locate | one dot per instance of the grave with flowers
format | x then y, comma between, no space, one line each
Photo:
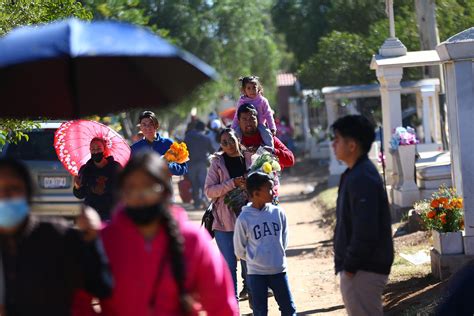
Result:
442,214
403,150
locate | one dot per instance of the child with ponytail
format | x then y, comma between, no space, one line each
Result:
252,92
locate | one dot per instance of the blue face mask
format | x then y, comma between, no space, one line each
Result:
13,212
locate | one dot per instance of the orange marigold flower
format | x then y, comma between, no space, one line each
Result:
435,203
443,202
442,217
431,214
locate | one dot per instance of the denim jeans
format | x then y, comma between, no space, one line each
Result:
197,175
259,284
225,243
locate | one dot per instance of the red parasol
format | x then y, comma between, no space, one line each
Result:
228,113
72,140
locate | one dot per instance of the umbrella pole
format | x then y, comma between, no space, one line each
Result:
73,87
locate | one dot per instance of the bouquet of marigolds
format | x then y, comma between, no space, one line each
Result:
443,212
265,162
178,153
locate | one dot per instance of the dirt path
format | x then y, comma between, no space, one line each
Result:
310,261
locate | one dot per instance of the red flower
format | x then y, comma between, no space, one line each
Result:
442,217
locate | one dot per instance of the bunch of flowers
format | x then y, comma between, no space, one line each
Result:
443,212
236,199
265,162
403,136
178,153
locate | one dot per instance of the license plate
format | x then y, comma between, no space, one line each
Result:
54,182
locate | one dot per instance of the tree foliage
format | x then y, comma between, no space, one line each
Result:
322,61
15,13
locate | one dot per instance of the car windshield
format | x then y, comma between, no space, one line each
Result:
39,146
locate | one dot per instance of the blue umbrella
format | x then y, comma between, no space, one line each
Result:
72,68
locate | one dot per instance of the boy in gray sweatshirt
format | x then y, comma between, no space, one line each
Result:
260,238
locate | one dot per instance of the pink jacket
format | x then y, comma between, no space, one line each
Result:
134,263
218,183
265,112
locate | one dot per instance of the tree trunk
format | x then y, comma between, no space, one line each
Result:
428,31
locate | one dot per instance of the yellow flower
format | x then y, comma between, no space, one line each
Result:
267,167
177,153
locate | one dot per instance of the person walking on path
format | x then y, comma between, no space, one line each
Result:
363,245
251,138
152,141
261,238
199,147
45,262
227,172
252,93
97,179
162,264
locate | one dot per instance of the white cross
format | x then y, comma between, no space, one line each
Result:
391,19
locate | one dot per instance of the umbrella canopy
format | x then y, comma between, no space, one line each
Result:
228,113
73,68
72,143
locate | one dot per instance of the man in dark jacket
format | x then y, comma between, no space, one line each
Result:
199,147
363,244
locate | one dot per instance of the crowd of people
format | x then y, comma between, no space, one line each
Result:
134,252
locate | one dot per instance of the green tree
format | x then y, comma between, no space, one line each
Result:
15,13
342,59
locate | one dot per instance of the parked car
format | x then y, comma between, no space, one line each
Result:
53,183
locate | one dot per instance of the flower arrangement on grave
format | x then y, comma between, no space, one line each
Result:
443,212
178,152
403,136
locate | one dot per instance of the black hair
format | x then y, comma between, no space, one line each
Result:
150,115
21,171
358,128
153,165
251,79
246,108
227,130
200,126
231,132
255,181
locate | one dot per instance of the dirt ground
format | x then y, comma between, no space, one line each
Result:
310,257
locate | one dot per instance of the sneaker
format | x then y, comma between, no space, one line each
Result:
270,292
243,295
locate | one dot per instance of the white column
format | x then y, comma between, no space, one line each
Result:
335,166
331,109
427,93
390,92
458,55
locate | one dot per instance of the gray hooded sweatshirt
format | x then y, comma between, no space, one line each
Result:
260,238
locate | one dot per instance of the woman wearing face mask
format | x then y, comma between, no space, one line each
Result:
44,262
161,263
97,179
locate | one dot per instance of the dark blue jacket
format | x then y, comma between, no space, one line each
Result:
160,145
200,147
363,234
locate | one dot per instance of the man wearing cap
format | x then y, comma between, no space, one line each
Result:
153,141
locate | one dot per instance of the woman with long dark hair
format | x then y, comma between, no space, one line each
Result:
226,173
161,263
